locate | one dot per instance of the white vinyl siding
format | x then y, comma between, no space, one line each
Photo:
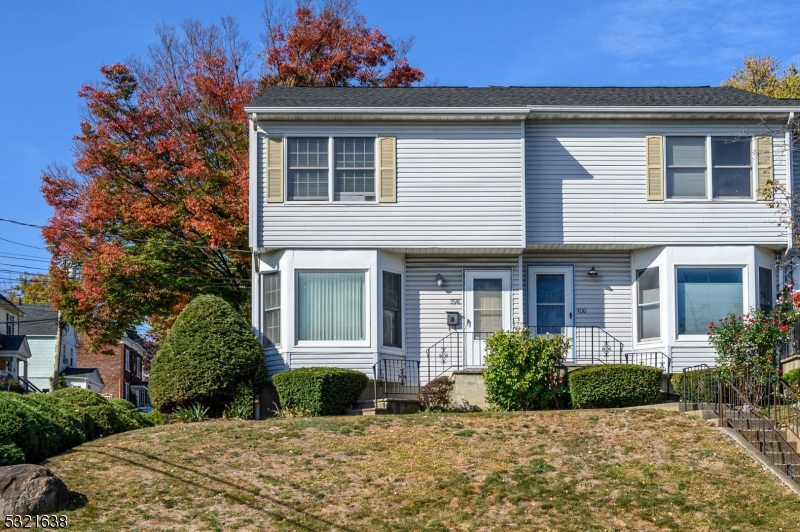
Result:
458,186
587,184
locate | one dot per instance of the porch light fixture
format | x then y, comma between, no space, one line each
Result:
439,279
592,272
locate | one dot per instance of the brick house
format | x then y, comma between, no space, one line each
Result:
120,367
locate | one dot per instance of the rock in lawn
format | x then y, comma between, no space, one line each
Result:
28,489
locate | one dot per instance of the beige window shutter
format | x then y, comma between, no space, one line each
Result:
764,168
387,169
655,168
274,170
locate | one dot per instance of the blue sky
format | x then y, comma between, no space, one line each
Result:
50,48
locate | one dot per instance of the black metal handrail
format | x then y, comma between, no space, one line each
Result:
741,414
653,359
784,408
445,356
700,384
29,386
395,377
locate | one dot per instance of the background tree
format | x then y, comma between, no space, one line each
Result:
32,289
154,210
762,75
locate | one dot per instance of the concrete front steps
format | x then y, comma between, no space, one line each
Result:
392,405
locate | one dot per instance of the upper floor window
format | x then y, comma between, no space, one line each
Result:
688,171
127,360
9,324
309,174
307,177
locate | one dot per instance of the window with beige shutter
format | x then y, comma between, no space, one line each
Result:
654,168
274,169
764,168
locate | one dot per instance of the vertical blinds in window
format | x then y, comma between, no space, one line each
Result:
331,306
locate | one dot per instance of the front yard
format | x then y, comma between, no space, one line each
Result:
635,470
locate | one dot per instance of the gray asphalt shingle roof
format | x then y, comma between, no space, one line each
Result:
11,343
512,97
38,320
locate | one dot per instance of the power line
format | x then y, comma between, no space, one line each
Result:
21,244
109,235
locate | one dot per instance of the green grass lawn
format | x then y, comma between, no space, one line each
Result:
635,470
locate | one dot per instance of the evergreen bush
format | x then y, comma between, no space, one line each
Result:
98,416
523,370
614,385
32,429
128,417
209,352
437,394
319,391
792,378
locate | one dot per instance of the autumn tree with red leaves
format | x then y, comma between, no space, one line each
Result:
154,210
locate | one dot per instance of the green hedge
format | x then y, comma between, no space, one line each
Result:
614,385
319,391
701,385
32,429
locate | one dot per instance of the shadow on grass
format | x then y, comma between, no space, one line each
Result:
77,500
248,495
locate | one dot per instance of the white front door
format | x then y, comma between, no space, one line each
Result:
550,300
487,308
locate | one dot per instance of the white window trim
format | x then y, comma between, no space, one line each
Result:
709,197
331,170
334,343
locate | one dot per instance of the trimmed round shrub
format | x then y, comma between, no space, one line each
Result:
319,391
792,378
98,416
522,370
128,417
32,429
437,394
242,404
699,386
614,385
207,354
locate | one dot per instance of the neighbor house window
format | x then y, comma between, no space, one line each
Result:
765,289
139,367
649,304
127,362
272,308
687,168
307,176
707,294
354,172
331,306
9,324
391,309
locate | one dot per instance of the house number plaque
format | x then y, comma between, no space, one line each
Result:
455,301
580,310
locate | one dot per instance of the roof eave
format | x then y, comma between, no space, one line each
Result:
389,113
661,111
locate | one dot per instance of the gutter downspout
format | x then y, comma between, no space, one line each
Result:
789,180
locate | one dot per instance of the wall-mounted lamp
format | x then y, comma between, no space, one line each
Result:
439,279
592,272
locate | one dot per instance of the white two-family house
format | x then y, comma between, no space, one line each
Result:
411,223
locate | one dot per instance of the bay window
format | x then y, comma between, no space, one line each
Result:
707,294
331,306
765,289
649,304
391,309
272,308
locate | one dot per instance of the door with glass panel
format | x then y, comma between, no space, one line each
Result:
487,308
550,298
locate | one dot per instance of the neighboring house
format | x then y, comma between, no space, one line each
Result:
411,223
119,367
15,351
87,378
39,324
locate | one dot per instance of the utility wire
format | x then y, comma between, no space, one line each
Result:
21,244
109,235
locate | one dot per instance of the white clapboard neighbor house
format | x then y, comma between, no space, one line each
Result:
396,227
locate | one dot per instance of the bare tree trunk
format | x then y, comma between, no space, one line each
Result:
56,372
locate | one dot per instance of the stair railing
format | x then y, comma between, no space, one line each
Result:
393,377
445,356
785,408
29,386
738,411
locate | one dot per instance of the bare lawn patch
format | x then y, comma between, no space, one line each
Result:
637,470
